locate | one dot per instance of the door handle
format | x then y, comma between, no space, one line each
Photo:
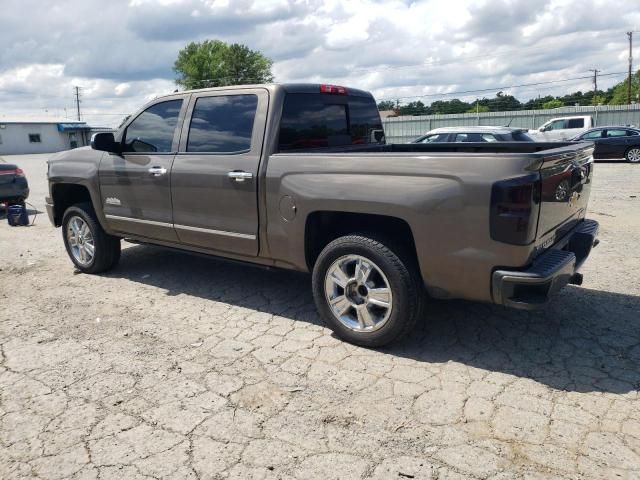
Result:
157,171
240,176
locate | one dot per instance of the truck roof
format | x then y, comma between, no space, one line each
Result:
287,87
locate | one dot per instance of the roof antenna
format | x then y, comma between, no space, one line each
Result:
509,122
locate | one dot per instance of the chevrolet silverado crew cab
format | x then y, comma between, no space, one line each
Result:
299,177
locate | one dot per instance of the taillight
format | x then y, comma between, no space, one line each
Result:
515,204
18,172
335,89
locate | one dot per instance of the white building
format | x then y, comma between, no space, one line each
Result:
43,135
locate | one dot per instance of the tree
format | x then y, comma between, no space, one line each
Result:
213,63
555,103
386,105
414,108
620,91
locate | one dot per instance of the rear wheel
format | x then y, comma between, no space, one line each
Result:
367,293
633,155
90,248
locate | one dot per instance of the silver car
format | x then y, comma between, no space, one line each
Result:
475,134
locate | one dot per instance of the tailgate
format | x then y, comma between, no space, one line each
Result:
566,178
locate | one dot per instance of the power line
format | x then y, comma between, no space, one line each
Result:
500,88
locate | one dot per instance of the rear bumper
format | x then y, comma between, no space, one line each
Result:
18,189
532,288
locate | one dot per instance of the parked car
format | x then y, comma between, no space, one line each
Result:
562,128
613,143
292,176
475,134
14,187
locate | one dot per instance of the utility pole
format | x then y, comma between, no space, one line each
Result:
77,90
595,80
630,35
595,84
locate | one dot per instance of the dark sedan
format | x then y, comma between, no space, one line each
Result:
13,184
613,143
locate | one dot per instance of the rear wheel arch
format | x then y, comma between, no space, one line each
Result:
324,226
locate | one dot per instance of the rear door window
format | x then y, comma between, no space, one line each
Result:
472,137
312,121
222,124
487,137
616,133
153,130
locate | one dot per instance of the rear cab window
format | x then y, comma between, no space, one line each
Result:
316,120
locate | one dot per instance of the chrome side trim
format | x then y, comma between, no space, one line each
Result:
216,232
183,227
138,220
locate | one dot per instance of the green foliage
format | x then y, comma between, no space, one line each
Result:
214,63
477,108
386,105
616,95
554,103
620,91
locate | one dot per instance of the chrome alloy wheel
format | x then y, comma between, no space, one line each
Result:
358,293
633,155
80,240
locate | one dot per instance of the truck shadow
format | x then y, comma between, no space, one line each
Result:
585,341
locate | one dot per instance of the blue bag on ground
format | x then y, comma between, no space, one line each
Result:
17,215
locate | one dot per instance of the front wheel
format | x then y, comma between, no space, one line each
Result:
90,248
633,155
367,293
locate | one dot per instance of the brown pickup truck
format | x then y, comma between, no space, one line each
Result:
299,177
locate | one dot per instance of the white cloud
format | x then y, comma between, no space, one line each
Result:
121,52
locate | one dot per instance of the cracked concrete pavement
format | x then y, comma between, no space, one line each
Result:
178,366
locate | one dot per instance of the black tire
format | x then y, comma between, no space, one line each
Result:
400,268
107,247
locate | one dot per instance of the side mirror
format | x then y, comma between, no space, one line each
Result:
105,142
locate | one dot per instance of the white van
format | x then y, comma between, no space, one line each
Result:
562,128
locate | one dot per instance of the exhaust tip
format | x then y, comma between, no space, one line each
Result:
576,279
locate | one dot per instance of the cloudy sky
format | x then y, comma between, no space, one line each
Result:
121,51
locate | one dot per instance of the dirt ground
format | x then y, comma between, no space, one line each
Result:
178,366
